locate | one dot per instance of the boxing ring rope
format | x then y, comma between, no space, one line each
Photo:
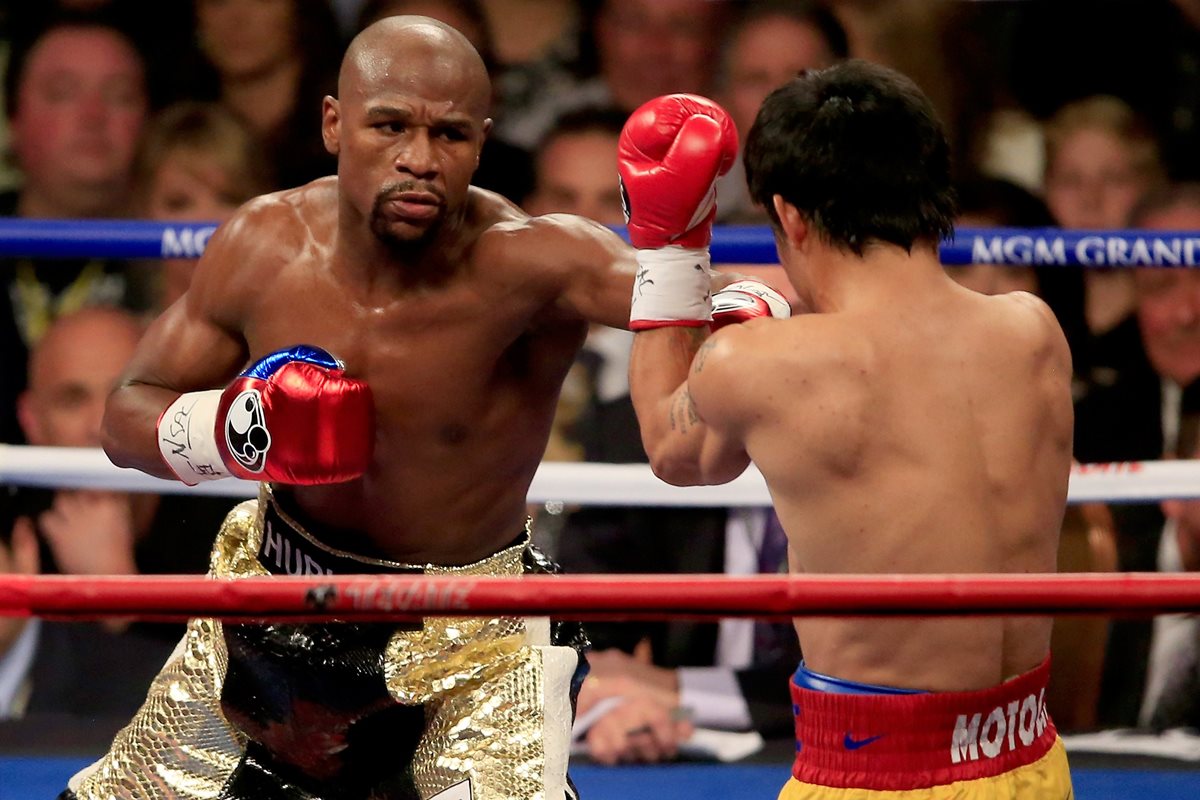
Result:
80,238
583,483
624,597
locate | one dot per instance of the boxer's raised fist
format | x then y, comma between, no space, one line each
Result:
670,154
292,417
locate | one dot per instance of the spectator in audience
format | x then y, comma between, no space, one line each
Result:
1101,158
1168,309
769,44
528,31
532,30
503,167
96,532
731,676
76,104
1161,407
642,49
1172,696
197,163
575,167
78,669
271,62
1169,318
647,48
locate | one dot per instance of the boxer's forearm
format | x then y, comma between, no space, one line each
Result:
130,433
672,434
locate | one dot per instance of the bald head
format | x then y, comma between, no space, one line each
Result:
409,50
409,121
72,369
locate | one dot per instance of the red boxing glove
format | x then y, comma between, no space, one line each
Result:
292,417
746,300
669,156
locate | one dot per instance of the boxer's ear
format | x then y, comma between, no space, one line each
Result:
791,221
331,122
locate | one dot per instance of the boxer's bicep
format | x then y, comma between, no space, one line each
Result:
184,351
197,343
192,345
177,355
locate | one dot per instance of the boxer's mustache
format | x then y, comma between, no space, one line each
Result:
396,189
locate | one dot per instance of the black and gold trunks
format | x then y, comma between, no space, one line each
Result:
449,708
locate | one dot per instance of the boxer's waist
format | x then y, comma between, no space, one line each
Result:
292,546
900,740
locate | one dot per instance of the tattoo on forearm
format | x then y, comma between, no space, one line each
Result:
702,356
683,416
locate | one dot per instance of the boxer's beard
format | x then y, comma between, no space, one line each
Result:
381,226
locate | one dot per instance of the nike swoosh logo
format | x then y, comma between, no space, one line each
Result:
850,743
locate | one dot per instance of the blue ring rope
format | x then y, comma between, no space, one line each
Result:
62,238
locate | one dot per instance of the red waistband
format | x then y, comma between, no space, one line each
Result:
901,742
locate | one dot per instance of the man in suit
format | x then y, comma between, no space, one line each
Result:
1168,315
732,675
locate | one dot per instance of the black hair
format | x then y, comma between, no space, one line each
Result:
587,119
858,149
29,35
1004,202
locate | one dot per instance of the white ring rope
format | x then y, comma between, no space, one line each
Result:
585,484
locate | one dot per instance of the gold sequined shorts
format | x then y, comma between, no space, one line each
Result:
452,709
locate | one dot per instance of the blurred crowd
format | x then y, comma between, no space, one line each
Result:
1069,114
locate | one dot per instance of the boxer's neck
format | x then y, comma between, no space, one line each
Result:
840,280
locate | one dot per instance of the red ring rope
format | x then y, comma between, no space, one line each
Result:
597,596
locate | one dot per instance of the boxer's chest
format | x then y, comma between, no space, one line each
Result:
429,354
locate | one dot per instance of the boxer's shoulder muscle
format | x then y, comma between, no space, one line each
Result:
265,235
1035,330
736,371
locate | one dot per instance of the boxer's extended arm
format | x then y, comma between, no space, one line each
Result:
594,270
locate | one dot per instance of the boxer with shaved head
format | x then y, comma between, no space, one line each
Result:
383,351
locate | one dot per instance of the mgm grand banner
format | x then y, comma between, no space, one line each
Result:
1055,247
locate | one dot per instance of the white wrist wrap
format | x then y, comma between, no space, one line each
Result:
187,437
673,287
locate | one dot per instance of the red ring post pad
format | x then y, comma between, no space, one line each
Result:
377,598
